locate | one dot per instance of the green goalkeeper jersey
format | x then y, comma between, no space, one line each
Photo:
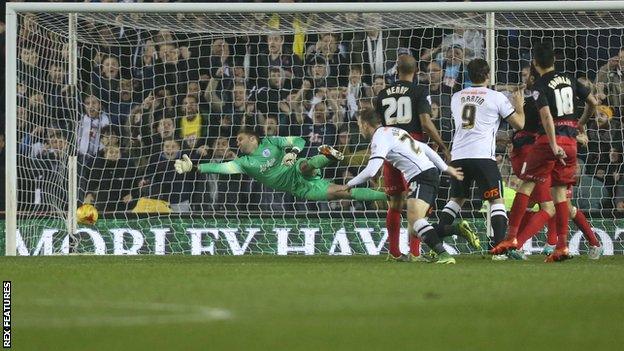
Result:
264,164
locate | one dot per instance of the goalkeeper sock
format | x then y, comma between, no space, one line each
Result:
429,235
393,224
318,161
366,194
581,222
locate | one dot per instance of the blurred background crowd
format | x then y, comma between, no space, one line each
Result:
145,97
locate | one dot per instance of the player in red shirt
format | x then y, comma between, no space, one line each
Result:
522,143
404,105
553,156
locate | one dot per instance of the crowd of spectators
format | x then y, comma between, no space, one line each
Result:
145,97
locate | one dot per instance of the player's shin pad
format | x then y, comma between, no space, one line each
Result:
366,194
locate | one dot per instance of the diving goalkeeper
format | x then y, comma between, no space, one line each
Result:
273,162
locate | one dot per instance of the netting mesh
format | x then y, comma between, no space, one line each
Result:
152,87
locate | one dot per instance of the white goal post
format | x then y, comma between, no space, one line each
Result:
13,10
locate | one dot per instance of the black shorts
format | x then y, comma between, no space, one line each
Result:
481,170
425,185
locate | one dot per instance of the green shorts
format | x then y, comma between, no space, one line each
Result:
310,188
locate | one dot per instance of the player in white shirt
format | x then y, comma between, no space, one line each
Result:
477,112
419,165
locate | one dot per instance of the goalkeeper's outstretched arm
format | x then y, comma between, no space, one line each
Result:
185,165
231,167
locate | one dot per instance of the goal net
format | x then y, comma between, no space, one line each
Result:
110,100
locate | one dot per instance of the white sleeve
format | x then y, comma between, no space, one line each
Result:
505,108
373,166
379,145
434,157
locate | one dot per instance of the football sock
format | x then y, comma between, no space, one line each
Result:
552,231
366,194
498,217
393,224
428,234
563,216
318,161
581,221
528,215
414,244
446,218
538,221
517,212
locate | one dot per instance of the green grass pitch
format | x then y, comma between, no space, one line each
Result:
314,303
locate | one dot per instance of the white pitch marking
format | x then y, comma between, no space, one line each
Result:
174,313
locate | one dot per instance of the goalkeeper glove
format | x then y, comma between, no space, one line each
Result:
184,165
290,157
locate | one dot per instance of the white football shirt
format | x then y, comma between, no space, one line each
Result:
396,146
477,113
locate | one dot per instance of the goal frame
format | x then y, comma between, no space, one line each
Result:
13,9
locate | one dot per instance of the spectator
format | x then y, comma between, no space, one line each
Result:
619,196
109,188
272,54
602,131
120,109
589,192
57,91
162,182
318,73
169,70
610,82
375,49
105,82
333,54
470,41
191,122
453,66
318,129
164,104
336,98
270,127
379,83
223,191
612,174
273,99
90,126
28,64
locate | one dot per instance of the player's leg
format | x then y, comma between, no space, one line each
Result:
537,222
537,169
326,156
418,204
460,191
541,194
490,184
595,250
562,215
395,187
563,174
551,236
335,192
393,223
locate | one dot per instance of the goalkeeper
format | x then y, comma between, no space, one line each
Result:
273,162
